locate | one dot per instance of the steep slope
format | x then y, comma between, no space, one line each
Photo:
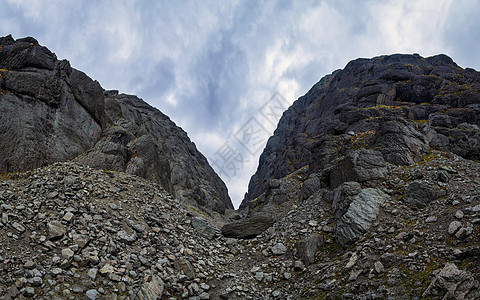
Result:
396,108
51,112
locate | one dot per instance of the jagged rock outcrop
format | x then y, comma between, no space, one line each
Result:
143,141
51,112
399,106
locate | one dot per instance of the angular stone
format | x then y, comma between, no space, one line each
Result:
361,166
247,228
453,227
279,249
106,269
19,227
418,194
360,215
202,226
126,238
67,253
55,230
80,240
183,265
452,283
91,294
308,246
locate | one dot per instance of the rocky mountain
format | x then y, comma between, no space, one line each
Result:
369,189
51,112
354,123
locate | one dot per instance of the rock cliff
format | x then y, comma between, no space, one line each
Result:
51,112
389,109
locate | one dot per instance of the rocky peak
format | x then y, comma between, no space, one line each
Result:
51,112
401,106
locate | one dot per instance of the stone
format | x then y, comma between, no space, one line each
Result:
80,240
464,232
454,227
379,268
310,186
92,273
126,238
453,283
202,226
19,227
67,253
259,276
91,294
55,230
418,194
308,246
352,261
360,215
431,219
184,266
459,214
106,269
204,296
279,249
68,216
247,228
361,166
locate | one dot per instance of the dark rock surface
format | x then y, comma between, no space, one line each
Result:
401,106
247,228
143,141
50,112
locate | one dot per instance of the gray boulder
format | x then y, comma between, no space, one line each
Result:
341,197
310,186
308,246
202,226
360,214
419,193
453,283
247,228
361,165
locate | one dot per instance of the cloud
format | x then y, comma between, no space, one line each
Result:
211,66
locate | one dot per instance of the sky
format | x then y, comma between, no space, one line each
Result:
224,71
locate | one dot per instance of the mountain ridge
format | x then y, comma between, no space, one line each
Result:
52,112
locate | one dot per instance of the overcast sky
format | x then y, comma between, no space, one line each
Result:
217,68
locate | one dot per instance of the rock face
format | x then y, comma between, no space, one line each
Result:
51,112
143,141
388,109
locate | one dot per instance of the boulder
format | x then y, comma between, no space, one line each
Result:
359,217
247,228
419,193
202,226
153,289
361,166
308,246
453,283
342,196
